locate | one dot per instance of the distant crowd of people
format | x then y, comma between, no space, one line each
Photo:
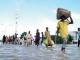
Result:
10,39
28,38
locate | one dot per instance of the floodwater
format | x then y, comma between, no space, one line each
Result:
22,52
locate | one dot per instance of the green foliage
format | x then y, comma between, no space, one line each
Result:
60,41
44,38
70,38
24,33
53,37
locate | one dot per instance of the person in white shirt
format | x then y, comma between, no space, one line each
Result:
28,39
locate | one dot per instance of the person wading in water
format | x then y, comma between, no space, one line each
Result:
62,28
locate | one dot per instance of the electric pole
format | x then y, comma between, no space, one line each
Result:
16,18
16,21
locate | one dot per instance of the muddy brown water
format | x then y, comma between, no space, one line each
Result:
22,52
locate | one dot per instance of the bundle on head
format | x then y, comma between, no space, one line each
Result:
62,12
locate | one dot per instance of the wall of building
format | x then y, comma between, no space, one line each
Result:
73,34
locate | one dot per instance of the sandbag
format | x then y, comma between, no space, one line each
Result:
61,11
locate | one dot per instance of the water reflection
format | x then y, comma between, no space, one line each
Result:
21,52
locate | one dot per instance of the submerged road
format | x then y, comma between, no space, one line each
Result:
22,52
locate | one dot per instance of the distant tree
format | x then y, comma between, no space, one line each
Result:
24,33
70,38
60,41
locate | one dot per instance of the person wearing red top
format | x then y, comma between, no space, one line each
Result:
9,39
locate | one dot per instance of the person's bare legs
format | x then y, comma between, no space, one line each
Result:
27,44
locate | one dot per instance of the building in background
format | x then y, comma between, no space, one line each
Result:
74,34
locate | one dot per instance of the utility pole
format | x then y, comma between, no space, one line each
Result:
16,21
16,18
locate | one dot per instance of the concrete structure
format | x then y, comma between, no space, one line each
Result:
74,34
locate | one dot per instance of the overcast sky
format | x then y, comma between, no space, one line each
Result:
35,14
